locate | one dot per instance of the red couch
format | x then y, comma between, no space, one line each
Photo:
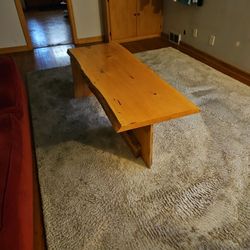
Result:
16,169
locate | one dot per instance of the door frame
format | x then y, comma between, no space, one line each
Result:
24,25
107,22
72,21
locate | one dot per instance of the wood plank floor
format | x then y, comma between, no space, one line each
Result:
50,57
56,56
44,25
42,58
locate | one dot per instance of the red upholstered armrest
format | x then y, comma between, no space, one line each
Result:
16,166
6,153
10,87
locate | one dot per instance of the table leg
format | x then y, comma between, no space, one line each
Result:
140,141
80,81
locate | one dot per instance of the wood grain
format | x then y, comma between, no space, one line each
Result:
80,82
130,20
150,17
132,142
123,19
144,136
89,40
140,141
135,94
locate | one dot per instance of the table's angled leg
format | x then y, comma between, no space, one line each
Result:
80,82
140,140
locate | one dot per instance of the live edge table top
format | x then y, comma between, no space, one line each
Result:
133,94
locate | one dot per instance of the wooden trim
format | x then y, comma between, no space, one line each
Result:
81,88
222,66
140,141
214,62
94,39
23,22
72,21
133,39
106,17
14,49
132,142
144,135
39,241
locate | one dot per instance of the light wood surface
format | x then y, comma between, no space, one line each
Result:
140,141
145,137
81,88
88,40
132,95
138,38
132,142
9,50
150,17
123,18
136,96
130,20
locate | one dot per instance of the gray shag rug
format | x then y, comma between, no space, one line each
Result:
96,195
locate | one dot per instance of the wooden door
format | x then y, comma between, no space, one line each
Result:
150,17
123,19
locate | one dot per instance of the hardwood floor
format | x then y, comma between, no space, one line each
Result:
48,28
42,58
56,56
147,44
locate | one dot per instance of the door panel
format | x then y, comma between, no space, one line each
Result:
123,18
150,17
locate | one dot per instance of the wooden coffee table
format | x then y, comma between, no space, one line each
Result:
132,95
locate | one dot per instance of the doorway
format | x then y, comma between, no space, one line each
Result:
48,22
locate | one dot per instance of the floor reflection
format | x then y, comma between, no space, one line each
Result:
48,28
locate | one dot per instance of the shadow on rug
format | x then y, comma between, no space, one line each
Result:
97,196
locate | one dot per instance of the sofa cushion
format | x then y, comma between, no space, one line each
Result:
6,157
16,169
10,81
5,151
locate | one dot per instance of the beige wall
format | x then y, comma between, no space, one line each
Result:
228,20
87,14
10,27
